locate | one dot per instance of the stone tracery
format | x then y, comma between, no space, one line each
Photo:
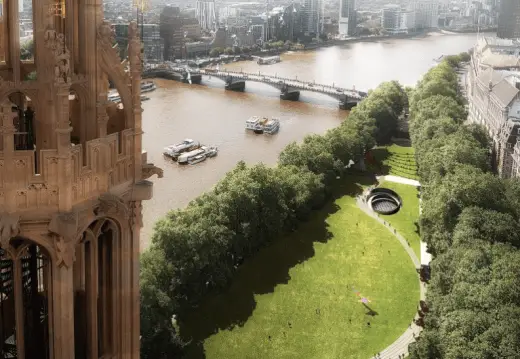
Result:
59,205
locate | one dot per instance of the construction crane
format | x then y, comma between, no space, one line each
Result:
141,6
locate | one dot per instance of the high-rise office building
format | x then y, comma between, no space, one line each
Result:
426,13
311,16
347,17
509,19
206,15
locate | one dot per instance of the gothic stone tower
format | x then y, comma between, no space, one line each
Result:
72,178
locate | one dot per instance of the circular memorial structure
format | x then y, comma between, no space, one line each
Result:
384,201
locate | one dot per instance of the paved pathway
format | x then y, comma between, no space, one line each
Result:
400,346
398,179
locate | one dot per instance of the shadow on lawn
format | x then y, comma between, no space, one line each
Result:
370,311
261,274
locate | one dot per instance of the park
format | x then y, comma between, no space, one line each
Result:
341,286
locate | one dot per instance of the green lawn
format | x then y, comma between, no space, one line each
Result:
395,160
295,298
406,221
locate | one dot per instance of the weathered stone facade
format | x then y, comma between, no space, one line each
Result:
494,98
70,215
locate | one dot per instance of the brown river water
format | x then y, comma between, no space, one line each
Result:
213,116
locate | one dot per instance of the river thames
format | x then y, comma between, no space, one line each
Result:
213,116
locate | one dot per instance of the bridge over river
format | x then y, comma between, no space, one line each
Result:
235,81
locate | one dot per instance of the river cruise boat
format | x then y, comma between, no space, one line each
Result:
190,156
268,60
197,159
147,86
272,126
263,125
252,123
174,151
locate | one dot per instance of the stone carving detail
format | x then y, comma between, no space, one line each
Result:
65,228
136,217
37,186
56,43
150,169
9,228
65,253
111,204
106,34
20,163
134,47
65,225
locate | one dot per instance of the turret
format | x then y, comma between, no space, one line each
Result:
72,178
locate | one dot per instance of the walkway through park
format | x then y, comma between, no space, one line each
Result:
400,346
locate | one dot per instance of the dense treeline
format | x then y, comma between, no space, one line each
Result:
470,220
197,250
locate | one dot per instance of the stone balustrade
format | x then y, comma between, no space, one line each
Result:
31,180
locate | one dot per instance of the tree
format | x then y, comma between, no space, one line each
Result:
314,154
470,220
443,154
197,250
466,186
228,51
377,107
27,50
488,225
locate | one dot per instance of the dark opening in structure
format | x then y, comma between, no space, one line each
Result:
384,201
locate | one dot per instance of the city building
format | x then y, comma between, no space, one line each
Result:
396,20
191,28
170,23
347,17
509,19
426,13
199,48
391,18
258,33
311,13
494,99
284,23
206,15
153,44
72,178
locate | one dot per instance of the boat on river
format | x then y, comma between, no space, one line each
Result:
193,156
147,86
174,151
263,125
268,60
197,159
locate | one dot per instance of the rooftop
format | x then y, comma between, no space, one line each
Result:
503,84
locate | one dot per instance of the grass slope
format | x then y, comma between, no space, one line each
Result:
396,160
406,221
294,299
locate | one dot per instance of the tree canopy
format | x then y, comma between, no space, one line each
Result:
470,221
198,249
